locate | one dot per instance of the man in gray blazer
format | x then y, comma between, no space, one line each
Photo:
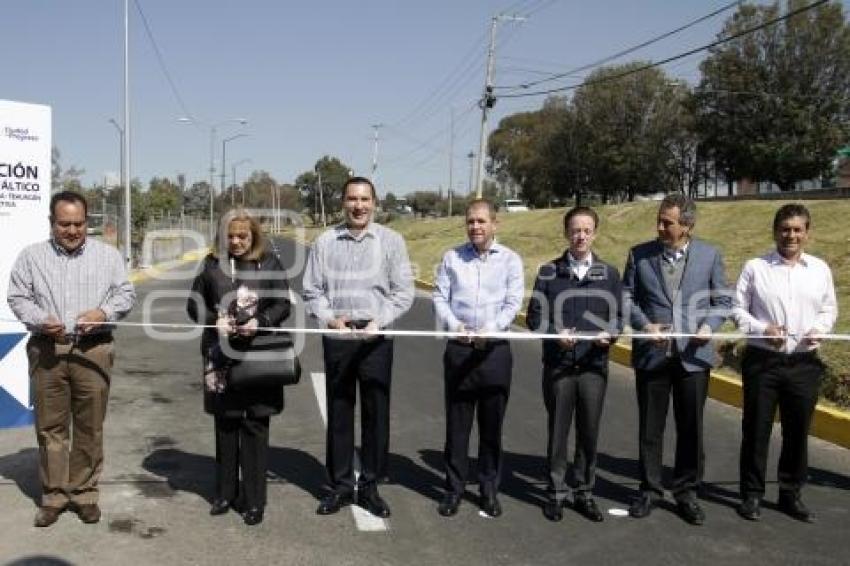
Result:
674,284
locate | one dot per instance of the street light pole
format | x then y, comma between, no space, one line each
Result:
223,157
213,131
233,181
128,217
120,233
451,157
375,127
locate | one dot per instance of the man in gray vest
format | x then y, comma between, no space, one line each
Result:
673,284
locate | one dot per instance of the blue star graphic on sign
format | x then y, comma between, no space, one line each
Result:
12,413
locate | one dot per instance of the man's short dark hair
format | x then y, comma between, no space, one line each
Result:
791,210
687,208
581,211
486,203
67,196
359,181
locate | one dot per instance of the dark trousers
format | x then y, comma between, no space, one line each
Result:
566,392
242,444
476,382
791,383
689,390
347,363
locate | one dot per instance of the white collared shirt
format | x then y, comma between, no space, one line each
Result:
673,255
800,297
580,267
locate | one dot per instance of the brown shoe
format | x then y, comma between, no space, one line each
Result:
46,516
88,513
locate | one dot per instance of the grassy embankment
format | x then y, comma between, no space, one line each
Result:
741,230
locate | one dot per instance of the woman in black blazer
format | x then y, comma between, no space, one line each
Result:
239,290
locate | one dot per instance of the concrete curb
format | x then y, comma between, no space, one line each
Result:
828,423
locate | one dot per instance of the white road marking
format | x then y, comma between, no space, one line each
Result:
618,512
364,520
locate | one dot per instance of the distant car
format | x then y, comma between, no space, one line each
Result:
514,205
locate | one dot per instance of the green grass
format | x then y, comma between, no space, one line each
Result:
741,230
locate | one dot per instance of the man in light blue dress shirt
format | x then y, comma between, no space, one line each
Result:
478,290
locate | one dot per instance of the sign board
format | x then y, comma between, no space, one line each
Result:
25,171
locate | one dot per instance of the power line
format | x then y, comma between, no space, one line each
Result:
430,140
674,57
163,66
462,73
624,52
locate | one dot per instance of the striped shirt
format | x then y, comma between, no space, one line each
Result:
48,280
482,292
365,276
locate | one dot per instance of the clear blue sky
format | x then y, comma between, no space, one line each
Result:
310,77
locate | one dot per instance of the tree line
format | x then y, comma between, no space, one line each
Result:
771,105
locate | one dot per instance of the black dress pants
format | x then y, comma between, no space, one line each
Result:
567,392
347,363
242,444
476,382
689,391
792,383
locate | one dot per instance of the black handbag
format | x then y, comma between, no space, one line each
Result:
268,360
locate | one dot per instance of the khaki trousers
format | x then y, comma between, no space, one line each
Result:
70,386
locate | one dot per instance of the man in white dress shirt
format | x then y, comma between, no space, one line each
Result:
788,298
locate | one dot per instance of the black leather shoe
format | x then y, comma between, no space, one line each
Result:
691,512
553,510
791,504
253,516
333,502
750,508
490,505
449,505
219,507
587,507
373,503
642,506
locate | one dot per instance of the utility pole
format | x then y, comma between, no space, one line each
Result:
471,157
376,128
321,197
488,100
451,156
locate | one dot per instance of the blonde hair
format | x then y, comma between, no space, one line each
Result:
258,239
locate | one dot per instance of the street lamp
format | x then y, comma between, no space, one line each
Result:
223,158
213,128
233,180
121,160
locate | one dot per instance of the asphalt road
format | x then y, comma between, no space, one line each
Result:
158,477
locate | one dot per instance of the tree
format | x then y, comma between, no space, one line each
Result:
774,104
624,124
164,196
390,202
518,150
196,201
334,174
67,179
